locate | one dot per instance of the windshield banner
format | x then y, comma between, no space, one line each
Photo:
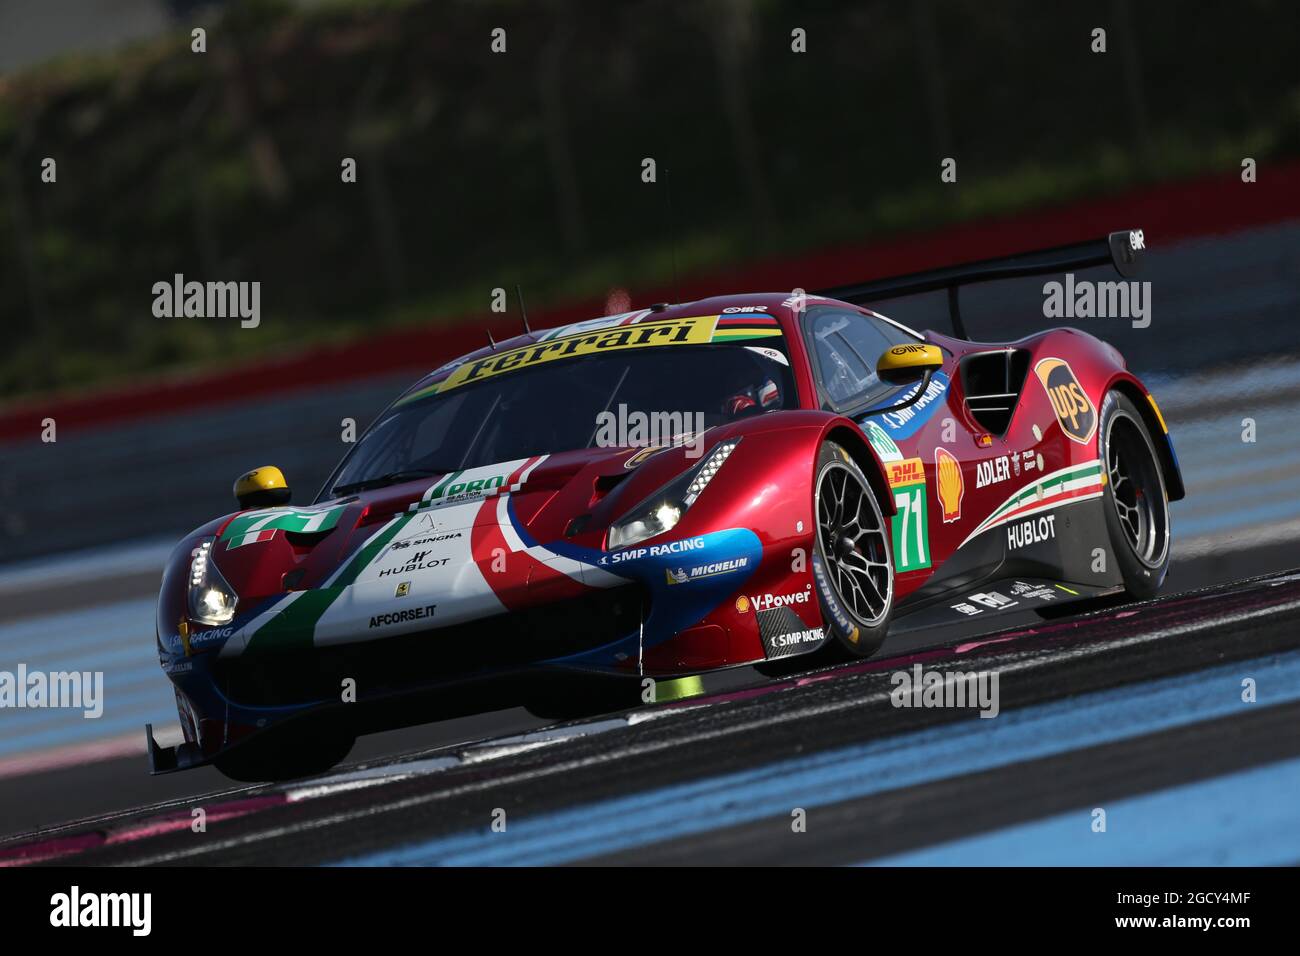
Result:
697,330
693,330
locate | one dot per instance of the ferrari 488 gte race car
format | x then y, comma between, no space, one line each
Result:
822,473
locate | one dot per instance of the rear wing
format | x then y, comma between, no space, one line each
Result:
1124,250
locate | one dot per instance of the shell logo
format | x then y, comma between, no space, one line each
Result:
742,604
949,484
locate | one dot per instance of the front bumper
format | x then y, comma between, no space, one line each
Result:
480,665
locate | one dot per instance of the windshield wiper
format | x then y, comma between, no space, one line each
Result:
392,478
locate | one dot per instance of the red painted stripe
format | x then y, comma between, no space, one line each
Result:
1167,213
515,475
746,320
53,848
484,540
526,581
71,755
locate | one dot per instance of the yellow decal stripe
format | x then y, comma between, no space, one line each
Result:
1159,417
696,330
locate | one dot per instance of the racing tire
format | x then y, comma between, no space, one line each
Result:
1136,501
282,756
853,562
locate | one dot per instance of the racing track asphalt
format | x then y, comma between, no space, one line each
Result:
87,771
1137,710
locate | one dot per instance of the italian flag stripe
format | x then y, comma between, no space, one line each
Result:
370,550
436,490
253,537
1086,474
1074,483
517,476
295,626
1056,499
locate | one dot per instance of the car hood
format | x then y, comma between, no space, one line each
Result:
428,553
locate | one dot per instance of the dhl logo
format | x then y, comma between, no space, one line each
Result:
908,472
1073,409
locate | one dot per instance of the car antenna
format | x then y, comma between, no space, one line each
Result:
520,293
491,341
672,235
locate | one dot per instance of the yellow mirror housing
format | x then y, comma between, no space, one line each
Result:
905,363
262,487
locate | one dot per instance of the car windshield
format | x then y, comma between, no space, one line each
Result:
846,344
558,406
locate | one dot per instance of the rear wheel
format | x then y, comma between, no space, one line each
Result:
1136,503
853,560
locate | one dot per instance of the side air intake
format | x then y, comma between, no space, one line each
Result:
992,382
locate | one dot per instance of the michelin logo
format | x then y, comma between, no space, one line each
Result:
683,575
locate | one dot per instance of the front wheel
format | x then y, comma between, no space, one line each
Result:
853,561
286,754
1136,502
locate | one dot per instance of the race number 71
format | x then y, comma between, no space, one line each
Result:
911,534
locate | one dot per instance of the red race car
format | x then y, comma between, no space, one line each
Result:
655,494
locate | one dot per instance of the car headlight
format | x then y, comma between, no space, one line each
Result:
211,599
661,511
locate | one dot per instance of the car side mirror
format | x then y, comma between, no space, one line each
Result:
907,363
263,487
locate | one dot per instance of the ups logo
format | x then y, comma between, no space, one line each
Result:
1074,411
